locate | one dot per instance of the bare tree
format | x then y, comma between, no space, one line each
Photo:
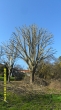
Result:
9,55
1,53
33,45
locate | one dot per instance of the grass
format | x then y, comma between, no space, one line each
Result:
1,78
31,102
11,78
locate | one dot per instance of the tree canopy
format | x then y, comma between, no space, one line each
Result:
33,45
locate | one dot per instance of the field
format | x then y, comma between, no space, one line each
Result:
31,102
23,96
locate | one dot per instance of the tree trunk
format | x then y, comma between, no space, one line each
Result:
9,75
31,77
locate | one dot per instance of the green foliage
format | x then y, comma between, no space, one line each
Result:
50,71
57,70
45,71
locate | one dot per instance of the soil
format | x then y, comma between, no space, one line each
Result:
39,86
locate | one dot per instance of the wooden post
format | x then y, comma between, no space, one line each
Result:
5,84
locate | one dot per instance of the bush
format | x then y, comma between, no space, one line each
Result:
45,71
19,76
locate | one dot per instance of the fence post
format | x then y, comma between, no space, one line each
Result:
5,84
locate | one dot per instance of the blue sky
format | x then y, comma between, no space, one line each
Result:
44,13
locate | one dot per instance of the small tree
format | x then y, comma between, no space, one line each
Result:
33,45
9,55
45,70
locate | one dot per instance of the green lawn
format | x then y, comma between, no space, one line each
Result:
11,78
31,102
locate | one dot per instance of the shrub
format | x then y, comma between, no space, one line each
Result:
19,76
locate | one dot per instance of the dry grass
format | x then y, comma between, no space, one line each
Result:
22,87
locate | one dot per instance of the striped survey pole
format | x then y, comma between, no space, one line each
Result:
5,84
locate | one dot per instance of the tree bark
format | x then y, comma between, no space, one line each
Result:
9,75
31,77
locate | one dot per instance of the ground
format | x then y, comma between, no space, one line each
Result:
40,85
41,95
